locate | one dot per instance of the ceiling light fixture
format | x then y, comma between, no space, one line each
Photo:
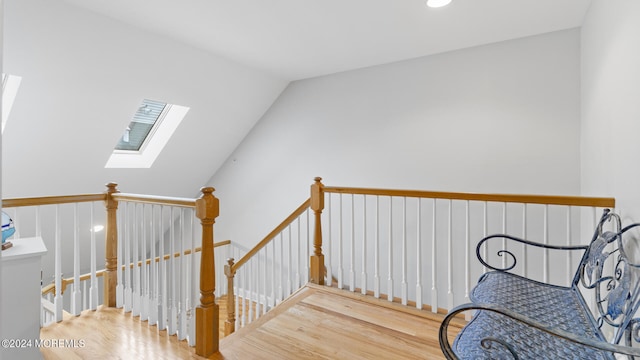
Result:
437,3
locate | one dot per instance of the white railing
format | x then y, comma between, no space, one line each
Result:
270,272
67,226
418,247
412,247
149,260
163,292
159,262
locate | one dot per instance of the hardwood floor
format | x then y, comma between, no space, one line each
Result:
108,333
315,323
326,323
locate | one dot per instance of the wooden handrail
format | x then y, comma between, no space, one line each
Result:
177,254
301,209
52,200
231,268
155,200
51,288
514,198
67,199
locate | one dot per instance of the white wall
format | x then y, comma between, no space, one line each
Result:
83,77
496,118
610,128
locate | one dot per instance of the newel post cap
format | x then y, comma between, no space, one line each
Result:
317,194
207,206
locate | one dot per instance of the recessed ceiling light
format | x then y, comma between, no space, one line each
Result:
437,3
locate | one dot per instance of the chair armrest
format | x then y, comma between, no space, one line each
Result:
595,344
503,252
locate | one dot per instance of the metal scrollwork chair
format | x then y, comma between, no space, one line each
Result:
520,318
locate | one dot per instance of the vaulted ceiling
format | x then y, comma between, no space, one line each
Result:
87,64
300,39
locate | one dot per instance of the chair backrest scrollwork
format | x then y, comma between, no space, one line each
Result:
607,271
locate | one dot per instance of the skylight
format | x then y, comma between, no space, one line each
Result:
10,85
149,131
148,114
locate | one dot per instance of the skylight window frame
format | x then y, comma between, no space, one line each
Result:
164,127
150,134
10,87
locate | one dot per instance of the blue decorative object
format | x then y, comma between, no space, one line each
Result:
7,227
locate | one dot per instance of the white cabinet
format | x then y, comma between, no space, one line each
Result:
21,294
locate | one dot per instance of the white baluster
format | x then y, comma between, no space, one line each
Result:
298,256
403,284
390,253
434,263
524,236
182,320
171,289
289,262
162,274
76,295
135,309
58,299
504,231
419,255
239,296
340,235
120,258
376,255
545,257
245,285
363,275
128,291
250,274
281,274
485,229
153,273
352,252
265,307
272,302
84,295
328,255
467,251
308,245
256,298
144,273
568,264
93,289
450,297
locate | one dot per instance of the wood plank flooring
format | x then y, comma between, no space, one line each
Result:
315,323
108,333
326,323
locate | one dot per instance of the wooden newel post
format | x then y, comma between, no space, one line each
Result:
111,247
230,323
207,313
317,259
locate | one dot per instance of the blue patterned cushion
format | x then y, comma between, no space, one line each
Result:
554,306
